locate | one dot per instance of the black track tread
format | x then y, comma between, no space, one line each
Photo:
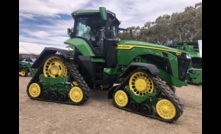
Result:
35,78
168,94
78,78
73,72
39,71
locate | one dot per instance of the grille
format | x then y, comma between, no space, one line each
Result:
161,63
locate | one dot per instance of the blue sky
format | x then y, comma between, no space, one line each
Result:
46,21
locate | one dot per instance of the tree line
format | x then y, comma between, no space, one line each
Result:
185,26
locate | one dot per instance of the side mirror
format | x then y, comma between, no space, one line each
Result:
69,31
103,13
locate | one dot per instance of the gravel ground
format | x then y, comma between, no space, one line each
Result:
99,116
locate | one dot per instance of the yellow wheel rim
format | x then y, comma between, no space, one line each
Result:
140,83
121,98
76,94
54,67
165,109
22,73
34,90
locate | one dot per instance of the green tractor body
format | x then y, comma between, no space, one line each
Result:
140,77
25,68
195,72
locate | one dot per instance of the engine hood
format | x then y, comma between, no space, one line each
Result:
127,44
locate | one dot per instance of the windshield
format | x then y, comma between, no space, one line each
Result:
89,27
92,28
81,27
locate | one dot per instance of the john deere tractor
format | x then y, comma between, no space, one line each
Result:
140,77
25,68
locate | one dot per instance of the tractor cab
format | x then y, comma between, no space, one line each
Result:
99,28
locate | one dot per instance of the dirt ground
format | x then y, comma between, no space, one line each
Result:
99,116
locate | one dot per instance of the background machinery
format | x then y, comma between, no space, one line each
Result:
195,71
140,76
25,68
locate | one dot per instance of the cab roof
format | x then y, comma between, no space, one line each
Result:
85,12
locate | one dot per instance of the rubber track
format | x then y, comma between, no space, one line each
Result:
169,94
78,78
74,73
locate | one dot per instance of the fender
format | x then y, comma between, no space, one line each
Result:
134,65
131,67
49,51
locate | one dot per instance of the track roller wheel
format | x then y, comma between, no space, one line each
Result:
165,109
34,90
44,95
23,73
53,96
62,96
76,95
134,106
145,109
54,67
120,98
